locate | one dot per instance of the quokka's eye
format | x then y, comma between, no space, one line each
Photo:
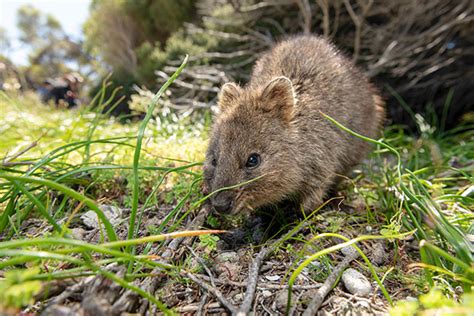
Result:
214,162
253,161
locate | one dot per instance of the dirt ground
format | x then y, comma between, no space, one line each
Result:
246,270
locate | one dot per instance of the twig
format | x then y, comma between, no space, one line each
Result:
324,5
294,306
305,10
202,303
358,26
203,264
18,163
78,287
211,307
255,268
252,281
265,286
214,291
328,285
7,161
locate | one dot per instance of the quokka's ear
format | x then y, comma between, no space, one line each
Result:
227,96
279,97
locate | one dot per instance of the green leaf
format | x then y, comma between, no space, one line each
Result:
16,290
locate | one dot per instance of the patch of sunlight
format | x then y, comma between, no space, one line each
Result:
27,120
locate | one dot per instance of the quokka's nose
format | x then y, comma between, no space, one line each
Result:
222,204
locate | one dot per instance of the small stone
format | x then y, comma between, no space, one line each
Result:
272,277
356,283
227,270
78,233
228,256
239,297
281,300
266,293
348,251
112,213
307,296
364,304
227,265
379,254
266,267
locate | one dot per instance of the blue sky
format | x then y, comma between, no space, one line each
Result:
70,13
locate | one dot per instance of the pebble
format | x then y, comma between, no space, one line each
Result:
230,256
239,297
78,233
227,265
348,251
379,253
266,293
266,267
113,214
356,283
272,277
281,300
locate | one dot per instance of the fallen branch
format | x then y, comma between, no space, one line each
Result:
252,281
214,291
211,307
255,268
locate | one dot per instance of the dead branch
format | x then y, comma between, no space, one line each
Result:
202,303
264,286
418,47
7,160
252,281
358,27
323,4
210,308
305,10
214,291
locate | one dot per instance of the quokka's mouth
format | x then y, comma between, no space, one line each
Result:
241,207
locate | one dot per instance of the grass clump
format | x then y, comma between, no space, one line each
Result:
422,186
434,302
57,177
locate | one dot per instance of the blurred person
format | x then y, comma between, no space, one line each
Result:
44,90
64,91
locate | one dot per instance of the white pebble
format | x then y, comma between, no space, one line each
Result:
356,283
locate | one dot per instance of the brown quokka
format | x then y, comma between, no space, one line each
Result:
273,129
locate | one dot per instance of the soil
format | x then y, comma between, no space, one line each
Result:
225,269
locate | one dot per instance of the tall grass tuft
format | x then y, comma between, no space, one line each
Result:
443,241
56,184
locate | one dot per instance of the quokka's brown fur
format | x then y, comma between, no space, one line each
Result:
278,115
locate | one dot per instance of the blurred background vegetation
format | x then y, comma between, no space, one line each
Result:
420,52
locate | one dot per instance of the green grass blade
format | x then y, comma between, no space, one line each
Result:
138,148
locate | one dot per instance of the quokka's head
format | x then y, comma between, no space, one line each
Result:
252,139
